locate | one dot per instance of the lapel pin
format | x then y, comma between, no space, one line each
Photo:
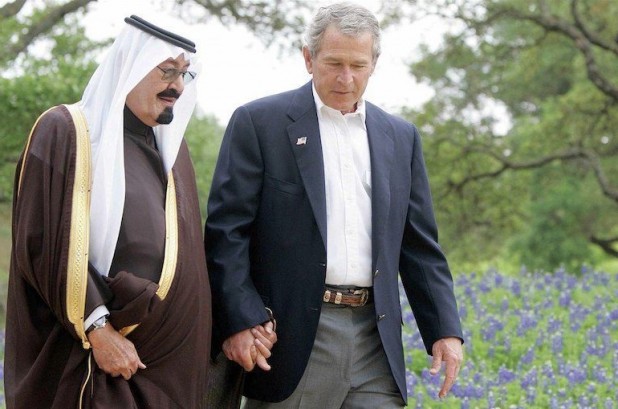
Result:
301,141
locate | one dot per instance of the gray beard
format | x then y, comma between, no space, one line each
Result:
166,116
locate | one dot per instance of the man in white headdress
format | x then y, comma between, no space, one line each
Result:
109,301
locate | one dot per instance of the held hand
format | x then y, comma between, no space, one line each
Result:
241,349
450,351
113,353
265,338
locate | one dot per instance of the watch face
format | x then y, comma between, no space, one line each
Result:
98,323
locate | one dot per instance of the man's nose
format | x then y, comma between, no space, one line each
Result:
345,76
178,84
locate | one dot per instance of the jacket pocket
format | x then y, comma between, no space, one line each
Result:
283,186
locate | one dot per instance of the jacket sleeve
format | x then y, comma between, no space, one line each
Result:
232,207
424,271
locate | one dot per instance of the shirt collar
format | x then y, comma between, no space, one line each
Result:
322,108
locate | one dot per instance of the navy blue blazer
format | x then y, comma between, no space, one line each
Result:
266,235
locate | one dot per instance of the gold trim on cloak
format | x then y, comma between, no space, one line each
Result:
79,236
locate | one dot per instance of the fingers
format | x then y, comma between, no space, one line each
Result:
449,379
436,364
264,340
127,374
262,363
247,361
114,354
238,347
449,351
126,366
130,371
269,327
245,358
265,333
263,349
251,347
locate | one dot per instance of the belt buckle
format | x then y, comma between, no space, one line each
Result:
364,293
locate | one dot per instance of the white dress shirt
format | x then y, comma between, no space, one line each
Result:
347,173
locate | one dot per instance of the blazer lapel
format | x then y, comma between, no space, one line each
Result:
304,135
381,150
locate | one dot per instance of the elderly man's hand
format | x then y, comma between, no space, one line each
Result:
113,353
450,351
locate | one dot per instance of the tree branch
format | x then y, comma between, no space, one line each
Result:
593,38
595,163
569,154
11,9
607,245
580,39
44,25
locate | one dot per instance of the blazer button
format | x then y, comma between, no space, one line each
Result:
381,317
376,273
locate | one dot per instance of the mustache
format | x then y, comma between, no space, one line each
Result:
169,93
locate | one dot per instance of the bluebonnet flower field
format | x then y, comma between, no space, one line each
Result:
537,340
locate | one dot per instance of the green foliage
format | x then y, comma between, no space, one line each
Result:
520,138
560,218
204,136
39,83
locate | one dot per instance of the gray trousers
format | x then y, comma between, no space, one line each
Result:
347,369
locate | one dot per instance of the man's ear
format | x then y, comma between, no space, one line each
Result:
308,60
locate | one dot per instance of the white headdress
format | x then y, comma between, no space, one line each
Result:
135,52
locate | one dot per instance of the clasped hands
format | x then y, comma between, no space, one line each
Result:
116,355
251,347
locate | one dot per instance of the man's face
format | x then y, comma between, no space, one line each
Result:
341,68
152,100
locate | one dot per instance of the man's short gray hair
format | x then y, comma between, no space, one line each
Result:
349,19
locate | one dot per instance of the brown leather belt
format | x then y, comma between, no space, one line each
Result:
352,297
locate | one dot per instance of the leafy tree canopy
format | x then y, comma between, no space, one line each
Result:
521,133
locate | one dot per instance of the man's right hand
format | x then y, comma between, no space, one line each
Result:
265,338
113,353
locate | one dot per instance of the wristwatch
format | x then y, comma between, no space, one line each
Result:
97,324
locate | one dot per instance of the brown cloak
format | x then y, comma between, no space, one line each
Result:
46,365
